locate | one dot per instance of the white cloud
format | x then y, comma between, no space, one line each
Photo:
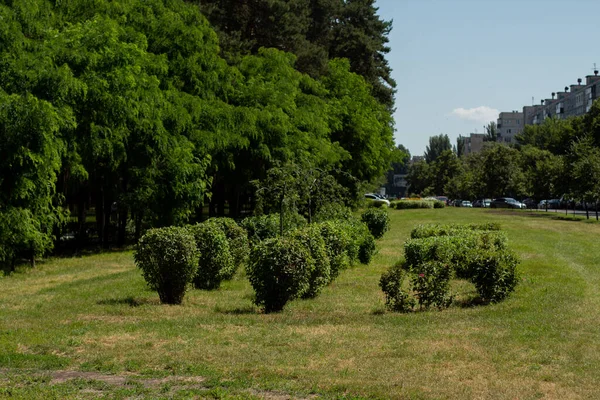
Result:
483,114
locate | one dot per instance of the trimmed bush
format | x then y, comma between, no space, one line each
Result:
413,204
337,241
215,263
279,270
362,247
494,274
439,204
261,227
396,298
168,258
237,238
320,276
428,230
377,220
431,284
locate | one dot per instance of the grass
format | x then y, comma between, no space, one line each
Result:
88,327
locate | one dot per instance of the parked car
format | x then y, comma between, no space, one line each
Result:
377,199
530,203
506,202
482,203
466,203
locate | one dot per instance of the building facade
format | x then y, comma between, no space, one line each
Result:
509,124
573,101
473,143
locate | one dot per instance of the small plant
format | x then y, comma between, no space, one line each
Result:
168,258
320,276
396,298
377,220
279,270
431,284
215,262
237,238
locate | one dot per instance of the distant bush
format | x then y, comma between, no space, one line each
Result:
376,204
362,247
337,241
168,258
378,221
215,263
320,276
263,227
279,270
439,204
237,238
332,211
428,230
396,297
413,204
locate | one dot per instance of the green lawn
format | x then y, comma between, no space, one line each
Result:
88,327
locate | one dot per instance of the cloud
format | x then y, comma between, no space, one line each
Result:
482,114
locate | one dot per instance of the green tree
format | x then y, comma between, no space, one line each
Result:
437,145
491,132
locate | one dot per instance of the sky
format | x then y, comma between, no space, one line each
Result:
458,63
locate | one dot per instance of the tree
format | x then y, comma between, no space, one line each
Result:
419,178
437,144
501,174
460,145
491,131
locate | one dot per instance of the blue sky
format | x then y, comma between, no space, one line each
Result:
457,63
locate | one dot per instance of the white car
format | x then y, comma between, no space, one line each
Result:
377,199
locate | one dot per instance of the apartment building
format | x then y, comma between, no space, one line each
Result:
473,143
509,124
573,101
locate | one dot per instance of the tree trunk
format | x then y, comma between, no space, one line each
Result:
122,225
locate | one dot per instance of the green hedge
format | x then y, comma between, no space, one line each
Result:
320,274
279,270
428,230
215,263
476,252
237,238
168,258
377,220
413,204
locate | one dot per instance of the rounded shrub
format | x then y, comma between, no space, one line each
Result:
396,297
377,220
238,240
279,270
261,227
494,273
320,276
215,262
168,258
337,241
362,245
431,284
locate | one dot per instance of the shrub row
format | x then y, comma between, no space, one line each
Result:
302,263
414,204
480,256
205,254
427,230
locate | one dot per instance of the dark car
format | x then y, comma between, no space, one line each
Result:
530,203
506,202
482,203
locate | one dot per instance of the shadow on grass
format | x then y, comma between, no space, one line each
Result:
238,310
470,302
130,301
551,214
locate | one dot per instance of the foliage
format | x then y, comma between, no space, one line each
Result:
261,227
397,298
377,220
337,241
437,145
279,271
361,247
237,238
428,230
216,262
168,258
413,204
311,238
431,284
494,273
